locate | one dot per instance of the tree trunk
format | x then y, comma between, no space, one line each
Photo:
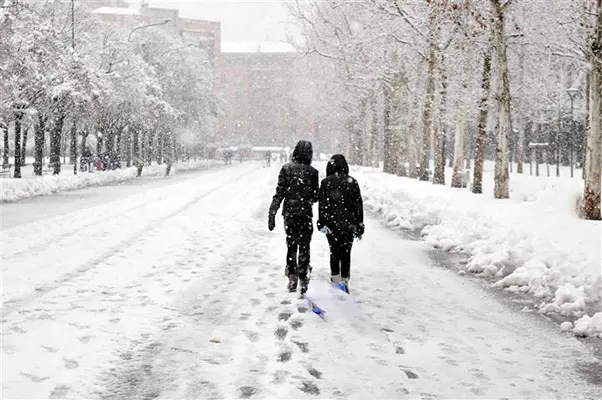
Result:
374,142
501,188
400,129
118,151
411,141
73,147
109,139
82,149
593,158
24,147
427,117
55,141
137,151
145,150
439,174
99,153
477,184
520,145
160,143
39,145
389,164
458,165
360,125
6,152
150,145
18,119
128,147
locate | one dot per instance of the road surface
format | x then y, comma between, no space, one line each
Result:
177,290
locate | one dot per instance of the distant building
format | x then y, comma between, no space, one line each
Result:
204,34
258,105
254,81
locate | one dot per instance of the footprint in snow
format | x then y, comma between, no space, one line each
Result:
310,388
246,391
304,347
70,364
59,392
252,336
280,333
284,316
296,324
34,378
285,356
86,339
314,372
410,374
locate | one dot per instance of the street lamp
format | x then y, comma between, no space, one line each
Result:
167,21
571,92
176,49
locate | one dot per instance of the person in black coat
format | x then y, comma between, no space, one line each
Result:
341,216
298,186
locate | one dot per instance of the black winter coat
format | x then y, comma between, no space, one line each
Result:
298,184
341,205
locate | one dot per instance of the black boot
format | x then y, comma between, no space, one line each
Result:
292,283
304,285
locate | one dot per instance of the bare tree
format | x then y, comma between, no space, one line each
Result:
477,184
593,157
441,133
503,101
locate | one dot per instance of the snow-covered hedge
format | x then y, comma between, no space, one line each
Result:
533,243
31,186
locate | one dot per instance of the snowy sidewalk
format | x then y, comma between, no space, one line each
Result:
182,295
531,243
31,185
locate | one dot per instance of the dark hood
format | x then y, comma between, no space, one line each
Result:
337,165
303,152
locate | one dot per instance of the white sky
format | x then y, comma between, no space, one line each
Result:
242,20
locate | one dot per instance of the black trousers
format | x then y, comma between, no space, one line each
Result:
299,230
340,254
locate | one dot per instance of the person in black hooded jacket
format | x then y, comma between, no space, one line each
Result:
298,186
341,216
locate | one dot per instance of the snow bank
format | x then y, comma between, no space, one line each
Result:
532,243
31,186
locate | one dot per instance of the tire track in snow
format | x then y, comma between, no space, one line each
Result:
15,304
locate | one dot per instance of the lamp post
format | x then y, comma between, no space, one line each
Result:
571,92
73,24
176,49
167,21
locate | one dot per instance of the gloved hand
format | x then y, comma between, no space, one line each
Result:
360,230
325,230
271,222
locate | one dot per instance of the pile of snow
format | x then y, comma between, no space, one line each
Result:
31,186
532,243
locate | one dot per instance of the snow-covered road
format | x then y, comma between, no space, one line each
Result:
177,291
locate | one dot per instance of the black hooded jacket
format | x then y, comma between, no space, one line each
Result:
298,184
341,205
